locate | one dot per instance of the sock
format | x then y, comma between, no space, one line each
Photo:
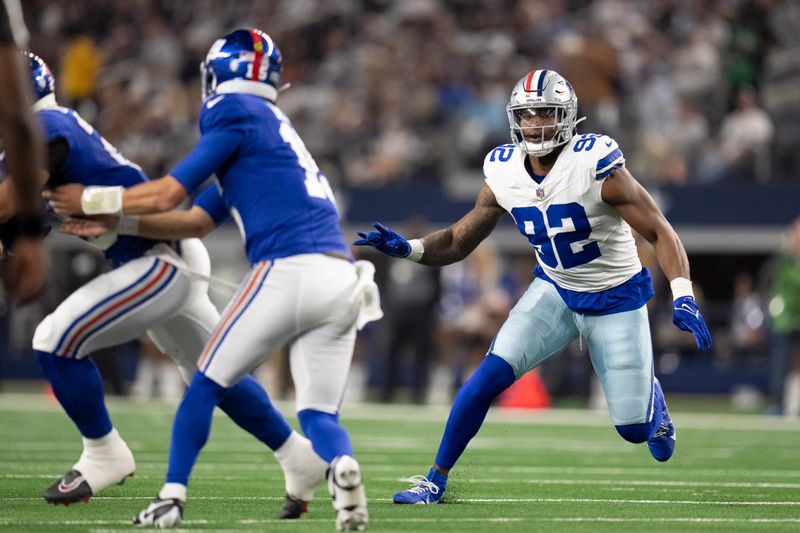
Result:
192,426
438,478
78,387
173,491
248,405
328,437
493,376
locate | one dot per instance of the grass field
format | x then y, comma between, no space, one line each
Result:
559,470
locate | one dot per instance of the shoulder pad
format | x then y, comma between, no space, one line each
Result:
601,152
220,111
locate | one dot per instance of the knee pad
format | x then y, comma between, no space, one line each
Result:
635,433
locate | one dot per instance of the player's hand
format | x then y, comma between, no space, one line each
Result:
26,269
66,199
93,226
686,316
385,240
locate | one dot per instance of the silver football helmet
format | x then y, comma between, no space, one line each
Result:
540,101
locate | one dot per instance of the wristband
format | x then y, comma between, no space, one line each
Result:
128,225
102,200
417,249
681,287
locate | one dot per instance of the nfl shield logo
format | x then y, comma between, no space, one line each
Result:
539,193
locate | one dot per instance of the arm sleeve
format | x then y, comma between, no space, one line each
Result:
210,201
211,152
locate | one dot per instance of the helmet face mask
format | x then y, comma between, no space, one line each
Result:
248,59
542,112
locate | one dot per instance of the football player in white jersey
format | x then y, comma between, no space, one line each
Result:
573,199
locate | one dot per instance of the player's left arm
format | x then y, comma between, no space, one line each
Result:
635,205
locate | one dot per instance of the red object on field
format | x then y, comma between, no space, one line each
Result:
527,393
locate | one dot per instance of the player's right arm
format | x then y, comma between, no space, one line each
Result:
446,246
206,214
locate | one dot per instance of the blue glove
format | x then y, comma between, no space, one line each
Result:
387,241
686,316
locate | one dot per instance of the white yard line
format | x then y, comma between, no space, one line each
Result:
457,500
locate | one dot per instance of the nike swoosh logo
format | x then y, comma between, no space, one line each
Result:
215,101
72,485
688,309
608,143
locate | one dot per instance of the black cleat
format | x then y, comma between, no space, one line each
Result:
293,508
71,488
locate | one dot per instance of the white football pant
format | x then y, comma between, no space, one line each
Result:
146,295
305,302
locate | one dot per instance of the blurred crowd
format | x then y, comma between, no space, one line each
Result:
695,91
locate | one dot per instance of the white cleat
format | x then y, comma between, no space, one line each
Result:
349,497
303,472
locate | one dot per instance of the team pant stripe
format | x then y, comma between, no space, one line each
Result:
106,301
152,294
256,279
127,300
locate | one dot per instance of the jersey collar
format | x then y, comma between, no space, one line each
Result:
248,87
45,102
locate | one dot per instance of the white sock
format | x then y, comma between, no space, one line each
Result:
173,491
302,468
105,461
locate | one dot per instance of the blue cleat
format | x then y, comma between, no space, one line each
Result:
662,443
425,490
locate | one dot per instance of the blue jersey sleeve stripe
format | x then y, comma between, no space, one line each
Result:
607,160
609,170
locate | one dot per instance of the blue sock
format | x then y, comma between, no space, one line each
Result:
493,376
192,426
248,405
328,437
79,388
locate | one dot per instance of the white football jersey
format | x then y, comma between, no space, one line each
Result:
581,242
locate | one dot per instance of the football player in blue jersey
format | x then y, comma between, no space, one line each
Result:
152,289
303,289
572,198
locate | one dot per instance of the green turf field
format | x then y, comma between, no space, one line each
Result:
559,470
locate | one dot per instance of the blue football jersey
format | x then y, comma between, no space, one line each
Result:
92,160
269,182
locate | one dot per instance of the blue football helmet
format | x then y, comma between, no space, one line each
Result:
41,76
248,59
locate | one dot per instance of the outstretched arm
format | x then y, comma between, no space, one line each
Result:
171,226
637,207
446,246
456,242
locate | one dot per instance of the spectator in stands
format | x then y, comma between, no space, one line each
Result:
744,138
784,309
